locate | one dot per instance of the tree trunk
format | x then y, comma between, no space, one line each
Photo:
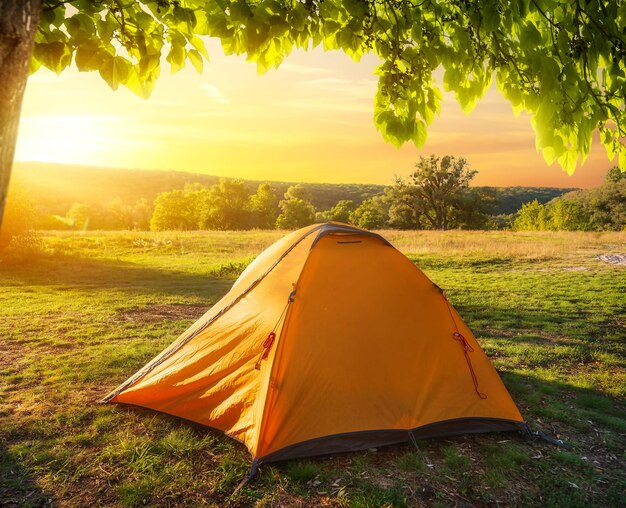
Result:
19,20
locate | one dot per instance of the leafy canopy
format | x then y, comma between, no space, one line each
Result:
563,61
296,210
436,191
598,209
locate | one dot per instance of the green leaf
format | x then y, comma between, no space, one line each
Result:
608,141
420,133
184,19
196,59
34,65
137,85
622,158
355,8
56,55
198,44
569,160
115,71
88,56
490,19
202,25
531,37
106,26
144,21
176,57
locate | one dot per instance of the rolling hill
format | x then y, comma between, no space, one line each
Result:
55,187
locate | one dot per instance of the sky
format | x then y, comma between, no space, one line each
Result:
309,121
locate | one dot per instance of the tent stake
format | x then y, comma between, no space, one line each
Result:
253,470
542,435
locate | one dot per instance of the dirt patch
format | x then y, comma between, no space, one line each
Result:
161,312
613,259
11,353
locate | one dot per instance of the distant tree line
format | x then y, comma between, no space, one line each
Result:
111,215
436,195
96,186
599,209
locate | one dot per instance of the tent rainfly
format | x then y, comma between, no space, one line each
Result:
331,340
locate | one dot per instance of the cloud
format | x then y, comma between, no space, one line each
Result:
325,104
327,82
214,94
359,88
302,69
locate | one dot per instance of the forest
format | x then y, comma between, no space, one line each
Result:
437,195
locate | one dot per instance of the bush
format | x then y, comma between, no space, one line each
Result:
22,248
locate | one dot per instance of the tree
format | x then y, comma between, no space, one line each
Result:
296,210
563,62
80,215
608,206
567,215
473,209
19,21
614,175
602,208
342,210
531,217
400,213
402,216
141,213
370,214
599,209
436,190
226,207
174,210
115,215
264,207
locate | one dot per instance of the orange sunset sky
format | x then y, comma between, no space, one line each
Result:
309,121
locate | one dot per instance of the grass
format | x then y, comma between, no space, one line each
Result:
79,313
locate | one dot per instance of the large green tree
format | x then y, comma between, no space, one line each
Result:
438,193
564,61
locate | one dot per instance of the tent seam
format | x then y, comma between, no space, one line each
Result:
265,408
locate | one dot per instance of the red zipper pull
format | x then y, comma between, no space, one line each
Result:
267,345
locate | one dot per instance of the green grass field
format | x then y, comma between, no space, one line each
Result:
79,314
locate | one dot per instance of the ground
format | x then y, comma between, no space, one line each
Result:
80,313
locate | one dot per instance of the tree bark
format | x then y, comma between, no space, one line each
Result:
19,20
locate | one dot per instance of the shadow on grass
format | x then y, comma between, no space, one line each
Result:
476,263
69,272
18,488
580,408
576,322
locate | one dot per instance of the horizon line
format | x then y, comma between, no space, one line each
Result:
201,173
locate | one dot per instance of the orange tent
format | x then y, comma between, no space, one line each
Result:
330,341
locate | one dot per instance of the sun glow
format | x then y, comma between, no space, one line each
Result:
71,138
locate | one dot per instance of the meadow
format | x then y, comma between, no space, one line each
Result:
80,313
